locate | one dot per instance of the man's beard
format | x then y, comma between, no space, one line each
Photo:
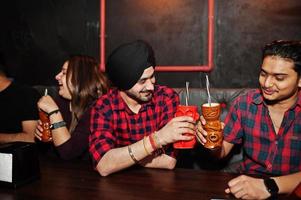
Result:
141,99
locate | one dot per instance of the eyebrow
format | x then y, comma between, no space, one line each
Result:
275,74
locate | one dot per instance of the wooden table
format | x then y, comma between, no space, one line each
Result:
77,180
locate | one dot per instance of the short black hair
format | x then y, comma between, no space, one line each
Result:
286,49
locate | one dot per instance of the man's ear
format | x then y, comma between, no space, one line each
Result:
299,83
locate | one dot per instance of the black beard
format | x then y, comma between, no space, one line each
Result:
137,99
271,102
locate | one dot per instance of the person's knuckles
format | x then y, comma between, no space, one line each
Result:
184,119
191,131
186,137
192,126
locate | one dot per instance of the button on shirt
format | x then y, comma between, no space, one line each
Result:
114,125
265,152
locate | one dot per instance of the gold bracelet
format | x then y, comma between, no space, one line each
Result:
145,146
132,155
157,140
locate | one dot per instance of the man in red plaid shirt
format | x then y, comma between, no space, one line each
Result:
267,122
134,122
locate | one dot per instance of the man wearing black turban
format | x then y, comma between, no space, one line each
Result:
134,122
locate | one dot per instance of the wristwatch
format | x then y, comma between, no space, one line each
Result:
57,125
271,187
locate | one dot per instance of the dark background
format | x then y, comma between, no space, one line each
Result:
37,35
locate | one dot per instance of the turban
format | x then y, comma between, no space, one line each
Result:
127,62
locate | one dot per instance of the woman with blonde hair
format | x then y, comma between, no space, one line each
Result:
80,84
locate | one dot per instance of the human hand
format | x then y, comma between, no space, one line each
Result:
201,132
38,131
246,187
174,130
47,104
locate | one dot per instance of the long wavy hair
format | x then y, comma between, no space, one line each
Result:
86,83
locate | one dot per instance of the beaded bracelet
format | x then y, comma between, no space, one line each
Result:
132,155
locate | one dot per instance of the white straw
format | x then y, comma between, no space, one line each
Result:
207,87
187,93
45,92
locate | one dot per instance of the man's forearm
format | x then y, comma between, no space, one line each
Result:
162,161
288,183
22,136
114,160
119,158
139,153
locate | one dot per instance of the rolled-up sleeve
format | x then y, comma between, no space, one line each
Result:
102,137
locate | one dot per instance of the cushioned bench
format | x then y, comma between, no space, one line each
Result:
197,158
220,95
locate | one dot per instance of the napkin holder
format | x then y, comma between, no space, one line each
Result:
19,163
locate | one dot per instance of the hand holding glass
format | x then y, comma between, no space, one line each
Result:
211,113
191,111
46,134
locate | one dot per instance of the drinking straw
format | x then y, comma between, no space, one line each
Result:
187,93
207,87
45,92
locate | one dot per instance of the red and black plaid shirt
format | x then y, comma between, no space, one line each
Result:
265,152
114,125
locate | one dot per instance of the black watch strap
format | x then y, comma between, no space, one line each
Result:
57,125
272,187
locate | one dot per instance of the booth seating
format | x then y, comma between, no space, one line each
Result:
218,95
199,157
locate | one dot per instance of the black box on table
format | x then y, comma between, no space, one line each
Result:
19,163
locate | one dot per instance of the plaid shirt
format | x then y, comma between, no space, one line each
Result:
265,152
114,125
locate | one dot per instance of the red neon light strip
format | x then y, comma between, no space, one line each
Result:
197,68
102,34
